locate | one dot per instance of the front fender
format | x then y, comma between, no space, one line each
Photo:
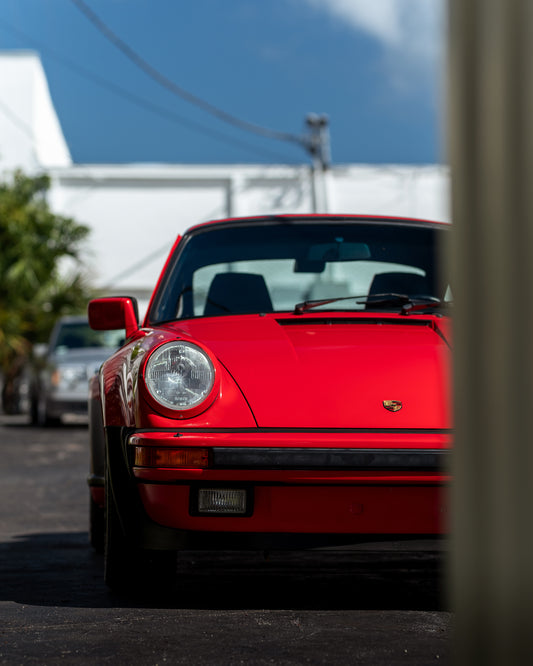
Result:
121,390
136,526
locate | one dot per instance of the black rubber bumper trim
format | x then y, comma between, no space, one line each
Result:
304,458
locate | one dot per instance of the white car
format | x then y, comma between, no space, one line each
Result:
59,384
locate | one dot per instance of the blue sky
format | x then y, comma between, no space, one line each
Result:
375,67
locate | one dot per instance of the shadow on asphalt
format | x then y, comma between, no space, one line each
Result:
60,569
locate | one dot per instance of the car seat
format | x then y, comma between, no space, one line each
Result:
408,284
237,293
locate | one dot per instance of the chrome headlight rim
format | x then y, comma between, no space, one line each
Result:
206,398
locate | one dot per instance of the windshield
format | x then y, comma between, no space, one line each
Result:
271,267
79,335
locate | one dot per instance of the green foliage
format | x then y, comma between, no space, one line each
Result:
40,266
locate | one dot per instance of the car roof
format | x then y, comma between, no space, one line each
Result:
73,319
314,218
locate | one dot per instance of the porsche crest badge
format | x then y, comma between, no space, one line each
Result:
393,405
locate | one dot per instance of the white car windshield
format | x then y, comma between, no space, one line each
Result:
78,335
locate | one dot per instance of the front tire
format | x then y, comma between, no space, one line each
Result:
39,414
128,568
96,525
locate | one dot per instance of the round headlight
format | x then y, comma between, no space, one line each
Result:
179,375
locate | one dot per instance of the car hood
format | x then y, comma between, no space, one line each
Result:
308,372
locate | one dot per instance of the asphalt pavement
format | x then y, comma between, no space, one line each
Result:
317,607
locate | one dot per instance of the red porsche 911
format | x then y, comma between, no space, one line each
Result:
288,387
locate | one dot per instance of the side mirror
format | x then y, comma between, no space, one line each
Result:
114,312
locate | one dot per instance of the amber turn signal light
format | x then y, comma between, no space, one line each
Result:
153,456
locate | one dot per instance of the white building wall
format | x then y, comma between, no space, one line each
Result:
136,212
403,190
133,220
30,134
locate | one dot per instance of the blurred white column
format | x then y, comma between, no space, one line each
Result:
491,154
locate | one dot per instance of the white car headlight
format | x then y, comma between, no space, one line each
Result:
68,376
179,375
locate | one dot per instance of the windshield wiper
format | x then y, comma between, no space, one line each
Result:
407,303
300,308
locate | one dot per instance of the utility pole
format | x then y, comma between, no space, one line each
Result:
317,143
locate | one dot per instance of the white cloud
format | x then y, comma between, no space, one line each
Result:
411,31
379,19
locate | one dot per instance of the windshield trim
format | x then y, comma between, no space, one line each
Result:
350,221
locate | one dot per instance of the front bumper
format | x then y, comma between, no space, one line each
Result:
307,482
58,407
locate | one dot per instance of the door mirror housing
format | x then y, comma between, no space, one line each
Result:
114,312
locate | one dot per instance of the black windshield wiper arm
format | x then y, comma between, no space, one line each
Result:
408,303
300,308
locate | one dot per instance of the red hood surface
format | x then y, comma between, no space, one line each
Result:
310,372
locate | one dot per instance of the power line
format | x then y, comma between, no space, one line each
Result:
16,120
178,90
138,264
139,101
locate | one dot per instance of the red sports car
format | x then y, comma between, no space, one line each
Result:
289,386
